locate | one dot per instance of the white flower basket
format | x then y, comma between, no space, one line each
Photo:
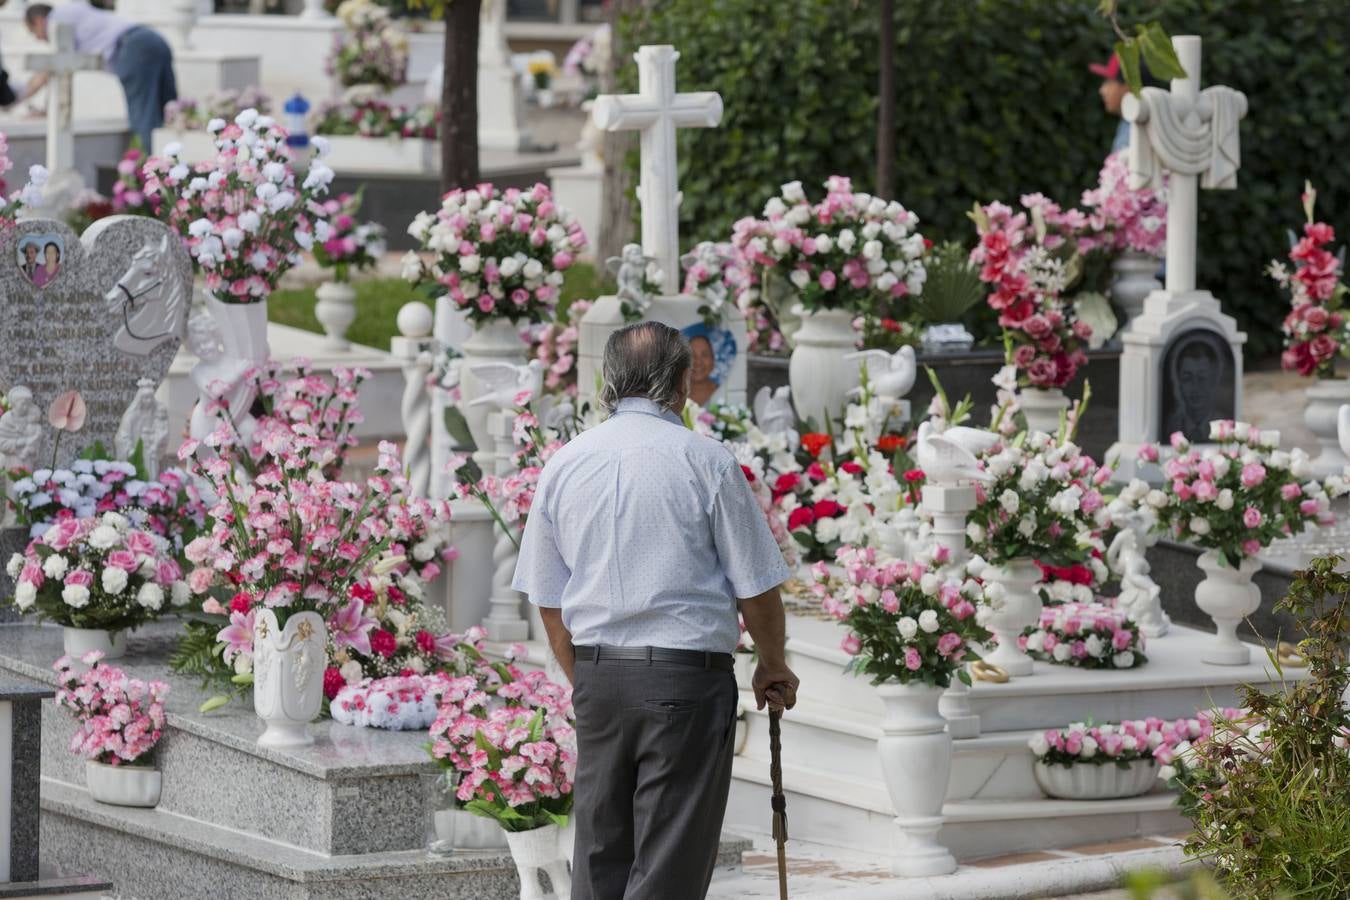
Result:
127,785
1086,781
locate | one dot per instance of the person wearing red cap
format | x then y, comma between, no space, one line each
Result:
1112,92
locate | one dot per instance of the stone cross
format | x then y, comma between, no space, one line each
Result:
1188,133
62,64
656,111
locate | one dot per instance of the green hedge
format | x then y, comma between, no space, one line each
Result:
993,100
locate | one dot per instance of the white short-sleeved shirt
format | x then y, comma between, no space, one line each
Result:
96,30
645,534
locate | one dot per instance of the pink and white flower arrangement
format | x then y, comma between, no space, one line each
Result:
374,118
1098,745
1126,219
906,622
1022,256
1237,496
844,252
397,703
188,113
97,573
499,254
512,748
1044,503
1315,330
1086,635
713,273
373,50
351,245
555,344
119,719
245,216
299,410
129,196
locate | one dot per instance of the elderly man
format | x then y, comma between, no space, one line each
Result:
139,57
642,541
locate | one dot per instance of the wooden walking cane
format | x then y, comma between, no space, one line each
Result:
777,801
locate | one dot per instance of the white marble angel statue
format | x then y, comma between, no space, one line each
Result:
20,430
633,271
1140,597
145,422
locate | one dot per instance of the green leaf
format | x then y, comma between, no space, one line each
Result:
213,703
1159,54
1128,54
458,426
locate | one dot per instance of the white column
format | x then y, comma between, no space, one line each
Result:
414,348
504,622
314,10
1182,189
949,505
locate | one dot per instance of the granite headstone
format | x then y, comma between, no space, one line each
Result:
93,314
1198,384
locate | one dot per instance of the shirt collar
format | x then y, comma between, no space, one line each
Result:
646,407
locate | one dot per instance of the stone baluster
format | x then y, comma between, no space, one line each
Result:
504,622
314,9
413,347
949,505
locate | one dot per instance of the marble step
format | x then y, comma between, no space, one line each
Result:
78,888
838,809
152,854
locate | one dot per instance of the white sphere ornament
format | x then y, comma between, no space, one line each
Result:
415,320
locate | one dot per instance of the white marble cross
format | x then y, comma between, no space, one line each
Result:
62,64
656,111
1188,133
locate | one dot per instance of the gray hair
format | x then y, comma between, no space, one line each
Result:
646,360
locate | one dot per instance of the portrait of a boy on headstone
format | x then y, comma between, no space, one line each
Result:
1197,385
40,257
712,351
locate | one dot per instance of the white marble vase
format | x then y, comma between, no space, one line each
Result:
1019,609
336,310
288,666
243,328
1227,595
125,785
1042,407
1107,781
221,372
541,848
916,761
78,641
459,829
495,341
1136,277
1325,398
817,371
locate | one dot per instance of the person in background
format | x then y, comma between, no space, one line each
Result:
1112,91
138,56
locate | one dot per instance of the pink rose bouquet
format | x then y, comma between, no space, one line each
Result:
1315,330
97,573
1127,219
351,245
498,254
1022,256
1098,745
846,251
245,216
906,622
372,51
512,748
1086,635
119,719
373,118
1237,496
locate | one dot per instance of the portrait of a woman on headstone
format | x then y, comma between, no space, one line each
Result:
712,351
40,257
1197,373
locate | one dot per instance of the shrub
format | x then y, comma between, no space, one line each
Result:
993,100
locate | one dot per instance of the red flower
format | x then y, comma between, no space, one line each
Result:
815,471
914,475
749,475
801,517
786,483
828,509
890,325
383,643
396,596
362,591
814,442
332,682
426,641
241,603
851,468
889,443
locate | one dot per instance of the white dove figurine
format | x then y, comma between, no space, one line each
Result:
503,382
944,460
976,440
773,410
1343,428
891,375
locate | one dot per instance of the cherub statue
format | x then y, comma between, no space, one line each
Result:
20,430
634,272
1140,597
222,389
145,422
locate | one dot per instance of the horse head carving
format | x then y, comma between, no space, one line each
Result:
151,306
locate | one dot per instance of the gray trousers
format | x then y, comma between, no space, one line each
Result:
144,64
654,751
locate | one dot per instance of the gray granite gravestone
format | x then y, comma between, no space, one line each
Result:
1198,384
20,772
92,314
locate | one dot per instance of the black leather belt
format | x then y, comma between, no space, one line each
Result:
704,659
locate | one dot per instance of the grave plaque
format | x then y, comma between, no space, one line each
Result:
1197,384
94,314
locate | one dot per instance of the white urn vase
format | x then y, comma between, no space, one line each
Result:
288,666
336,310
540,848
78,641
124,785
1042,408
1016,607
817,371
221,373
494,341
916,761
1136,276
1325,398
243,328
1107,781
1227,595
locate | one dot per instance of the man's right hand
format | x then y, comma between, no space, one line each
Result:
775,686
